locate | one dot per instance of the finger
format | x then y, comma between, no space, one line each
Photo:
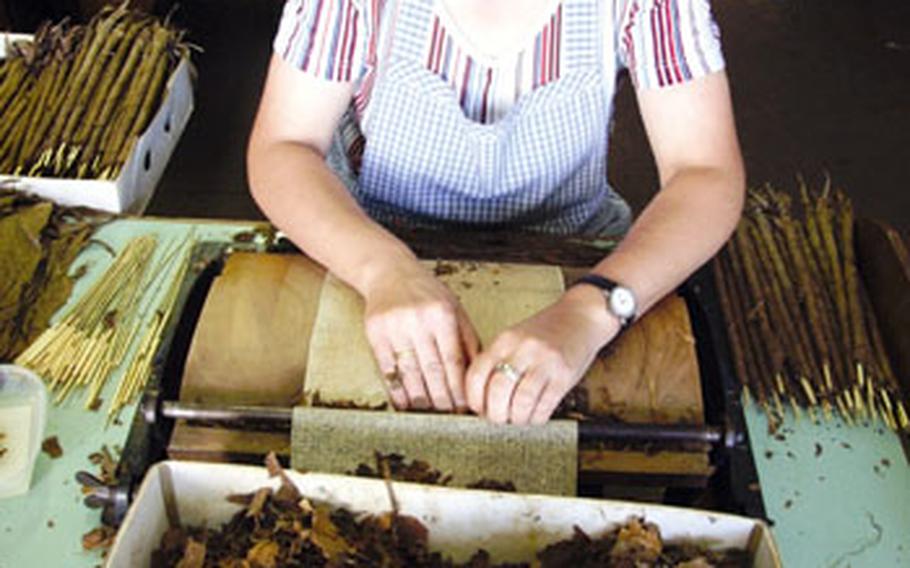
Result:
500,389
469,338
526,396
476,378
385,358
412,377
546,405
449,346
434,373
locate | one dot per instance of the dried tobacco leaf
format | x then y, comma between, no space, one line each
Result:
51,447
264,554
304,534
395,467
400,469
193,555
50,287
259,498
493,485
20,236
106,463
38,242
638,540
326,535
287,492
101,537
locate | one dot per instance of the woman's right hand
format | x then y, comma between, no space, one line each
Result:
408,311
421,337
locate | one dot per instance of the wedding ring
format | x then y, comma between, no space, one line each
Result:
405,353
508,371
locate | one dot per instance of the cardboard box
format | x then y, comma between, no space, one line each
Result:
133,189
510,527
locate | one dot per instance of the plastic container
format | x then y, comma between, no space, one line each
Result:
23,416
511,527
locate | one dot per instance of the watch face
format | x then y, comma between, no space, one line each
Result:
622,302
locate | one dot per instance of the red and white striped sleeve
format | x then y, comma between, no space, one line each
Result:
668,42
326,38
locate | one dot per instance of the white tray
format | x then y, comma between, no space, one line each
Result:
510,527
133,189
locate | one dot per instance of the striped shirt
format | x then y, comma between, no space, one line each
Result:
661,42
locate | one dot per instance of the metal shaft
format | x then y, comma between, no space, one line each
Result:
588,431
201,412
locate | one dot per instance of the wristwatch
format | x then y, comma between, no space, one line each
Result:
621,301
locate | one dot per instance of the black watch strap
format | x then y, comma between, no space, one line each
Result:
606,285
599,281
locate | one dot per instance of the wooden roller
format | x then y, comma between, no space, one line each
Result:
251,347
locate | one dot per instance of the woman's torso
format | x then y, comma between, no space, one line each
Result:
555,182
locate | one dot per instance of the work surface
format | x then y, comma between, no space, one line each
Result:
837,495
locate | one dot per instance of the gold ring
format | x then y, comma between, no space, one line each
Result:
508,371
403,352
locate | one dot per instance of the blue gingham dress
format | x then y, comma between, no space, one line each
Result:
414,151
542,167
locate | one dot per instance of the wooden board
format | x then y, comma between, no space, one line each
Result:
251,343
495,296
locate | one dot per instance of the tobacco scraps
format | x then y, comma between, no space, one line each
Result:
397,468
282,528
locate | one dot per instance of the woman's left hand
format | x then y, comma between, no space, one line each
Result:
528,369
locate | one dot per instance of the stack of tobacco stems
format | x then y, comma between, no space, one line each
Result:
801,327
115,327
73,102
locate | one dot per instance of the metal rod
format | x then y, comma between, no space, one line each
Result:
588,431
623,431
203,412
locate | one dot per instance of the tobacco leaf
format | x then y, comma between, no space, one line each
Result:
287,493
38,242
638,540
493,485
51,285
106,463
419,471
258,502
51,447
193,555
20,239
264,554
308,534
326,535
100,537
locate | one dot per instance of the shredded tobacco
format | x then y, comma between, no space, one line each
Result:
281,528
396,467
